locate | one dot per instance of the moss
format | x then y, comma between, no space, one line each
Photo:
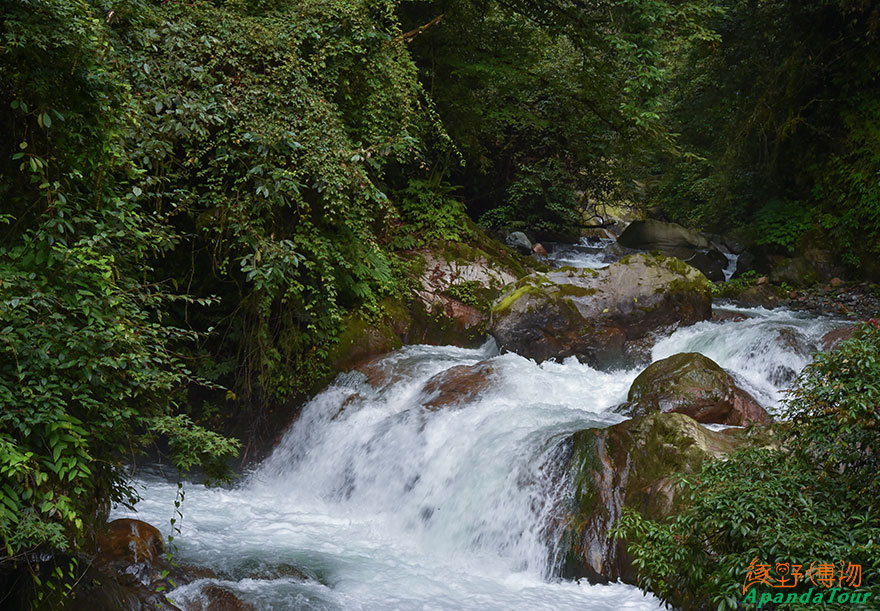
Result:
498,255
698,284
572,290
585,461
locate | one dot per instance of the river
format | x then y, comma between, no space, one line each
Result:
385,504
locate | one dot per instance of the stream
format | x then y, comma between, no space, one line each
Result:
382,503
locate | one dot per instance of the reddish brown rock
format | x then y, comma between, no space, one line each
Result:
539,249
692,384
457,385
128,542
832,338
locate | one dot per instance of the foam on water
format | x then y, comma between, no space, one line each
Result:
386,504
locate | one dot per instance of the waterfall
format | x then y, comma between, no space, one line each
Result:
387,503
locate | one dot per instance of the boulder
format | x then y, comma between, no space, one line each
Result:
807,267
131,548
832,338
711,262
796,271
127,571
695,385
657,235
632,465
603,317
519,242
457,385
455,285
539,249
763,295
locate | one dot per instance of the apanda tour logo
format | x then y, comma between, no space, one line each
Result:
822,582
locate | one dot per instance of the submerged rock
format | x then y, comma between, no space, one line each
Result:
695,385
457,385
603,317
630,465
215,597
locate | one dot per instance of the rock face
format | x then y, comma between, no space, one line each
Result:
603,317
630,465
692,384
657,235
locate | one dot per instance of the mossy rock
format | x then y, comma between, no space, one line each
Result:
603,317
633,464
695,385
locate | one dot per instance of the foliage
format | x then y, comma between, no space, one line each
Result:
540,198
815,499
734,286
428,212
90,367
780,119
555,108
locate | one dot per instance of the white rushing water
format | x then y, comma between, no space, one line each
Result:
590,253
385,504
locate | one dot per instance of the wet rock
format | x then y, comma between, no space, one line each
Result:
832,338
695,385
632,465
598,233
131,548
790,340
657,235
539,249
711,263
127,571
614,251
457,385
603,317
214,597
519,242
727,316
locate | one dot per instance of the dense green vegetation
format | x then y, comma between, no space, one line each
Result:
194,195
812,500
782,119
